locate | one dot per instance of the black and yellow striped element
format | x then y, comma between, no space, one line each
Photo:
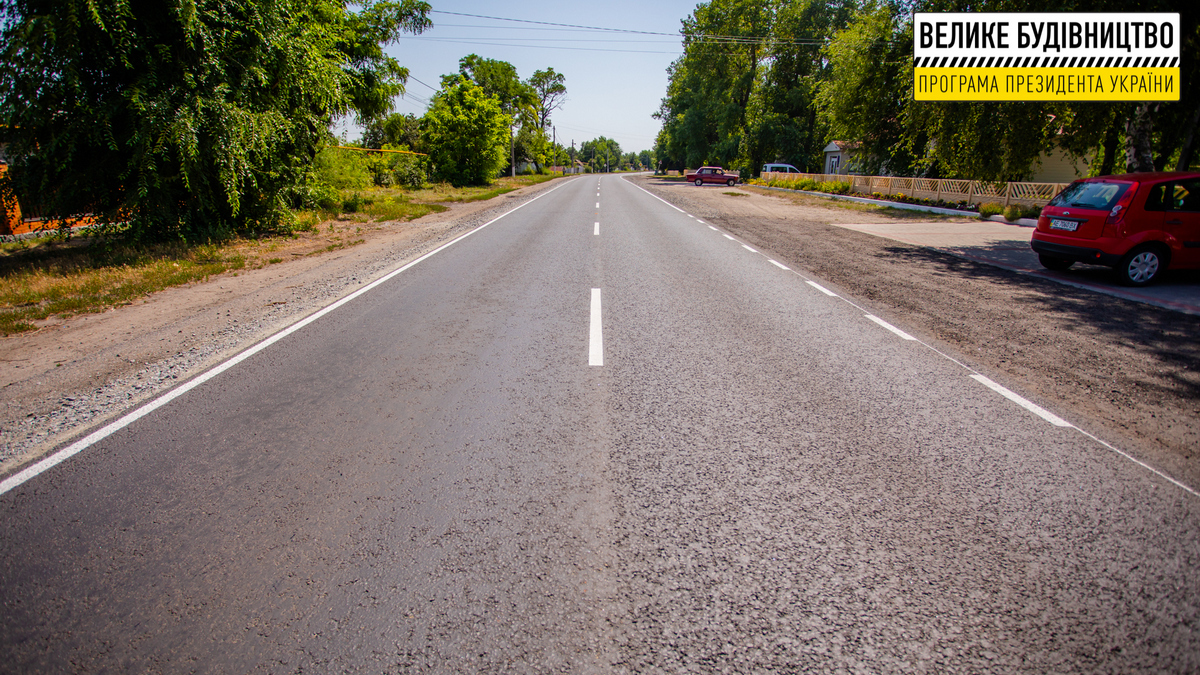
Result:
1046,84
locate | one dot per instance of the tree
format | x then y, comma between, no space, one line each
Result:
601,154
499,80
395,129
551,91
465,134
192,119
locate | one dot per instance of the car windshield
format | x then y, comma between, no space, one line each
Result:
1090,195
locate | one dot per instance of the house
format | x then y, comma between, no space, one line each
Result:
838,155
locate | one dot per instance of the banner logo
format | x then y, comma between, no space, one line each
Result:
1065,56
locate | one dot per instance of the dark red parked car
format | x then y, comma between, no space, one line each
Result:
1140,224
712,174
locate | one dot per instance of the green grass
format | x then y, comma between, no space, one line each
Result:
48,279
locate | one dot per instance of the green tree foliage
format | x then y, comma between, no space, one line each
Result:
872,54
551,91
403,131
466,134
776,80
600,153
191,119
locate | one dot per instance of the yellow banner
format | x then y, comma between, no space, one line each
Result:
1046,84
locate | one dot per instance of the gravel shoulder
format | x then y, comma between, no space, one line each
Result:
71,375
1124,371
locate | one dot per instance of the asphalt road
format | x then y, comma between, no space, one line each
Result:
752,472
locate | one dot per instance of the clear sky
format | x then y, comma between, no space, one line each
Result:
615,80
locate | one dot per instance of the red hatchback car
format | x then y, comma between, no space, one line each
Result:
1140,224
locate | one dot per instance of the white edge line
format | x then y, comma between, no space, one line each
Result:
1139,462
728,237
595,332
890,327
749,249
655,196
821,288
1022,401
977,376
779,265
82,444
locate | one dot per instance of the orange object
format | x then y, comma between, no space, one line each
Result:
11,221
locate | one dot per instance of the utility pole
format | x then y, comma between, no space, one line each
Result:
572,155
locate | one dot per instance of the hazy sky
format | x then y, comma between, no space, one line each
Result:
615,80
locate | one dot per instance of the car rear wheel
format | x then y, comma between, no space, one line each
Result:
699,182
1052,263
731,182
1142,265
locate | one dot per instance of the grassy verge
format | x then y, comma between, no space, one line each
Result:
41,278
46,277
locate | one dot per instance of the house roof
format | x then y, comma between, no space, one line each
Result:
840,146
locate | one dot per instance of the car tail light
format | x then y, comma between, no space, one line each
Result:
1117,215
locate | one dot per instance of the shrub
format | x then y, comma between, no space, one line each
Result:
1031,211
838,187
1012,212
990,209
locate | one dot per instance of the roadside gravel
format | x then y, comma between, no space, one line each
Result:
73,374
1125,371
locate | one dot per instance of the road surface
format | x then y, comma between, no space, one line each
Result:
599,435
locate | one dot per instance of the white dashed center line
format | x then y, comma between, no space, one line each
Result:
729,237
749,249
779,265
597,230
595,333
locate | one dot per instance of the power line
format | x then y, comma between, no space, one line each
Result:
736,39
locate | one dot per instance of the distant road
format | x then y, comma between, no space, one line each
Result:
599,435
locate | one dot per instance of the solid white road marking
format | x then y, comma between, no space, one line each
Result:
597,231
595,333
91,439
656,196
890,327
779,265
749,249
1023,402
821,288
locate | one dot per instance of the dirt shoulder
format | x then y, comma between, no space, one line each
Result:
1125,371
72,374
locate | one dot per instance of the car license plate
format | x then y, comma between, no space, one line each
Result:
1068,225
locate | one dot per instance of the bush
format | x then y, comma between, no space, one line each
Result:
1031,211
990,209
835,187
1012,212
355,203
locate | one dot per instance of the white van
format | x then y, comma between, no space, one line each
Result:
780,168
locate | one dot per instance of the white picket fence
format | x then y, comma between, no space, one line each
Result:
974,191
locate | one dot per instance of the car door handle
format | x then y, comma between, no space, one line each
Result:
1174,222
